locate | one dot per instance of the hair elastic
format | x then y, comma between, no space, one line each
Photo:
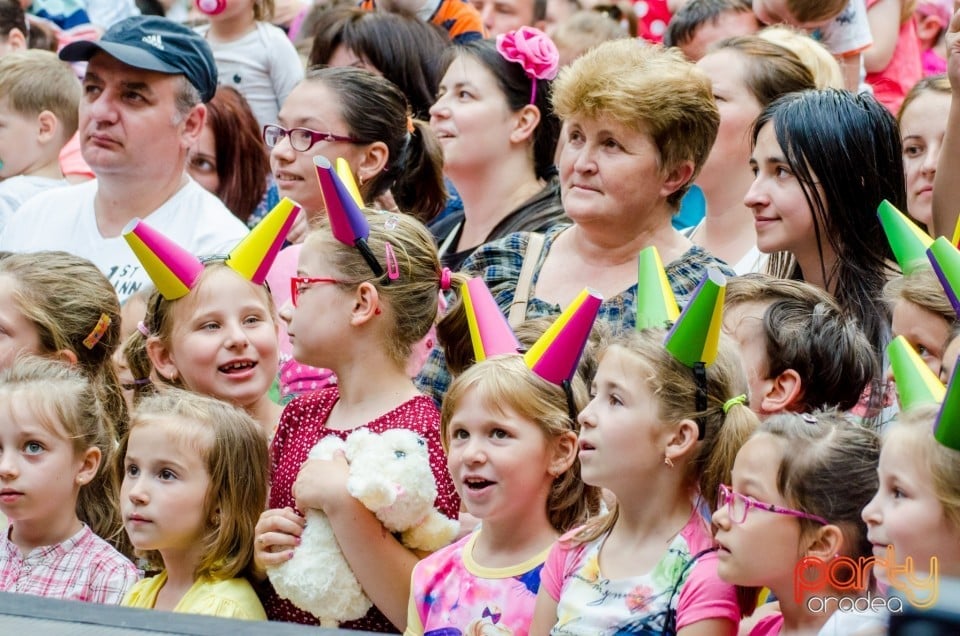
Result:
143,329
729,404
445,278
98,330
410,127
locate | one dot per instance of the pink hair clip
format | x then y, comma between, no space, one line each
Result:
533,50
393,269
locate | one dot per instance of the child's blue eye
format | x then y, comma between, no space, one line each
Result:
33,448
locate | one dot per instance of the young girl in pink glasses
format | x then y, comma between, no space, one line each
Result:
791,520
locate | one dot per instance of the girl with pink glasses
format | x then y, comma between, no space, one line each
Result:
790,521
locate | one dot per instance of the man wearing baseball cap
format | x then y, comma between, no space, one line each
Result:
141,112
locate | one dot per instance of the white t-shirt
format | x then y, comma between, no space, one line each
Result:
15,190
263,65
64,219
848,33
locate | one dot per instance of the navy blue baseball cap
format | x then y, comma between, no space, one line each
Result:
154,44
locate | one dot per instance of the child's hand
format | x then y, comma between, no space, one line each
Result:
322,483
277,533
952,38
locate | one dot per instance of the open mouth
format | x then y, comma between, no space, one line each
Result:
237,367
477,483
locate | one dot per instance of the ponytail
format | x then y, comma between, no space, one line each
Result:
419,189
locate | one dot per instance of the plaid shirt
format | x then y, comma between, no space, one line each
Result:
499,264
82,568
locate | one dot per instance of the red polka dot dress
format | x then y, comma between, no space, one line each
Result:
302,425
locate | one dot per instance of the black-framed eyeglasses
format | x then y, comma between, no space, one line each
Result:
301,139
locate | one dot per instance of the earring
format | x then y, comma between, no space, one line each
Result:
360,179
668,462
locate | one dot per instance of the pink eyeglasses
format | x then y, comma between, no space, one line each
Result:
299,284
738,505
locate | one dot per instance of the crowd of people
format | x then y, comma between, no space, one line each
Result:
668,293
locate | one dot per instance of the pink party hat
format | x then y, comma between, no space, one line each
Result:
908,242
346,217
172,269
489,330
947,427
346,176
555,354
945,259
916,383
253,257
656,304
695,336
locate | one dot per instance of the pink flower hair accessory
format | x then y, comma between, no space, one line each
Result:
534,51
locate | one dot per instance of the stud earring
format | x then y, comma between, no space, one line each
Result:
668,462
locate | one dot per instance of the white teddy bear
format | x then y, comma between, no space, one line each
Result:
389,474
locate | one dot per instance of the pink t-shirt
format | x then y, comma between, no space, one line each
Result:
302,425
451,591
768,626
589,603
904,70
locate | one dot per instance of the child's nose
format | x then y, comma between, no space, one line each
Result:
8,466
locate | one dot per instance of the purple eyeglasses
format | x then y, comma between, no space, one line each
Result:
738,505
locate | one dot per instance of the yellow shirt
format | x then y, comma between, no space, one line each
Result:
233,598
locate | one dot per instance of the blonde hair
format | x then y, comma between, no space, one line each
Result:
505,383
673,386
410,301
237,461
66,298
932,84
914,427
64,401
824,67
584,30
645,88
159,322
922,288
33,81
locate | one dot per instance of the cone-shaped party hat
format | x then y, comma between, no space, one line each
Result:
253,257
947,427
908,242
916,383
656,304
172,269
346,176
346,217
945,259
956,233
556,354
347,221
695,335
489,330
